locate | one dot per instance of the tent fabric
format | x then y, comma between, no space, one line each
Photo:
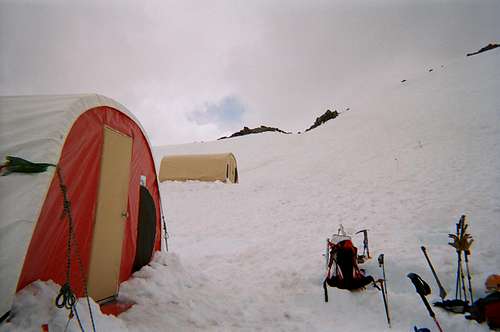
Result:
64,130
203,167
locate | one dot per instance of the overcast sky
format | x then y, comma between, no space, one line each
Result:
197,70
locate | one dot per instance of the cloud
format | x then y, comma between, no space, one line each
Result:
286,61
226,114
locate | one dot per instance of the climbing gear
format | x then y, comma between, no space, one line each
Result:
365,246
66,297
341,230
383,290
347,274
442,291
486,309
20,165
383,285
462,242
381,264
423,289
327,253
165,233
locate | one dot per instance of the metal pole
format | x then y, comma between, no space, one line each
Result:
468,276
442,291
462,276
385,302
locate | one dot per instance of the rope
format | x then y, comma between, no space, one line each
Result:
165,233
70,317
66,298
67,323
78,320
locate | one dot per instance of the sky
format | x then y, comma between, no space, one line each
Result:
198,70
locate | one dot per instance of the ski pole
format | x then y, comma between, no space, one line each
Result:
327,252
459,273
325,289
442,291
466,254
463,229
385,302
462,277
457,285
423,289
382,265
329,268
465,243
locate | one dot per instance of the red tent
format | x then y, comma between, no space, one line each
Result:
105,162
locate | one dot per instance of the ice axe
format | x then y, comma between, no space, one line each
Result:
442,291
365,242
423,289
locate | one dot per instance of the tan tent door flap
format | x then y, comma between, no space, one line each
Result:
111,215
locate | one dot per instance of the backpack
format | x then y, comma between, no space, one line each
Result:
343,260
487,309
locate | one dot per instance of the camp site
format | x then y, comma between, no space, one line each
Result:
362,193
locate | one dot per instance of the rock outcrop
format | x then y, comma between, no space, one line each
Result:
484,49
327,116
248,131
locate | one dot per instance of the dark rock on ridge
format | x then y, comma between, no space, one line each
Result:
248,131
327,116
484,49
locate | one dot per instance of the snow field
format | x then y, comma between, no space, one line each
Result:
405,162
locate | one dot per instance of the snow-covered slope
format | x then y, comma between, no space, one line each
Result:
405,162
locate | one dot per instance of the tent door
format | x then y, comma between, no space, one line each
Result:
146,229
111,215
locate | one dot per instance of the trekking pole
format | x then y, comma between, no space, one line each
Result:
462,242
462,277
423,289
327,252
442,291
328,268
457,285
463,229
385,301
382,265
466,254
325,290
465,243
